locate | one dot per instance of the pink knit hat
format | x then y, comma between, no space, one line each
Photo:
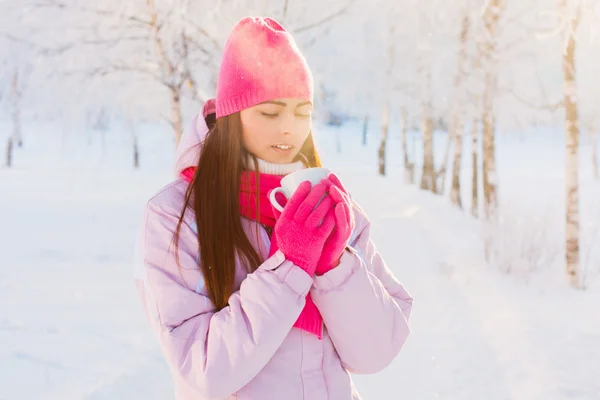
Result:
261,62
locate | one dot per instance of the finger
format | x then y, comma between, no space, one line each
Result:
328,224
341,214
297,198
350,216
316,217
309,203
336,181
337,195
326,182
348,213
345,228
341,218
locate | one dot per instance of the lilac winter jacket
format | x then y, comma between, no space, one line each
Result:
249,349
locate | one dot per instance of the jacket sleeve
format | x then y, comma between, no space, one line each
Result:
214,353
364,307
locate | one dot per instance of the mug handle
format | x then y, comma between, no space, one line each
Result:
273,200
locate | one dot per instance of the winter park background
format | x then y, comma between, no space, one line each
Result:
412,99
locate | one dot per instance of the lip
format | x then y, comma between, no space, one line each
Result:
291,147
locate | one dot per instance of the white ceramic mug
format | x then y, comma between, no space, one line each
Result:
290,183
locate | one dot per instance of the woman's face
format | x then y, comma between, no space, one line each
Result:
276,130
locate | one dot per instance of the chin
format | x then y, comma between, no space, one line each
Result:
281,159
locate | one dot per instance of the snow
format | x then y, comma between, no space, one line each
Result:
71,325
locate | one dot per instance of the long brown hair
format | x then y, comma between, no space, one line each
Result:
213,195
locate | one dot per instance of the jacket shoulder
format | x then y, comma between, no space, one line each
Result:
170,197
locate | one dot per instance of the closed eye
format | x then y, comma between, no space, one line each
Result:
269,115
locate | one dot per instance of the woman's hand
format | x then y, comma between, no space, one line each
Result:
344,225
305,225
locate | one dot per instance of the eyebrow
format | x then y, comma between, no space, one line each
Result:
283,104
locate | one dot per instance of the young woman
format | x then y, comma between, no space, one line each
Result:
249,303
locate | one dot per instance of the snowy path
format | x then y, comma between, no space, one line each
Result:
71,326
446,356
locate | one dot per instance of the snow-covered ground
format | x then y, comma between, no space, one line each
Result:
71,325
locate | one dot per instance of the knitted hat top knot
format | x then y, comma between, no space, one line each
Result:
261,62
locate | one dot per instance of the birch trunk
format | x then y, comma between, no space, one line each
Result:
176,117
475,179
442,172
594,144
457,123
409,167
571,159
9,151
428,176
491,15
16,109
385,121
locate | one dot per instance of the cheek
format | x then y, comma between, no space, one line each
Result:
255,133
302,128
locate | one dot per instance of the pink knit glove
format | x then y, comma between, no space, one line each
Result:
302,228
332,179
344,226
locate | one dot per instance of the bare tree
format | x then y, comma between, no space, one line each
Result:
492,11
140,42
324,20
428,176
409,166
428,181
387,93
457,125
15,55
385,122
442,172
572,143
475,178
133,132
425,52
594,145
15,138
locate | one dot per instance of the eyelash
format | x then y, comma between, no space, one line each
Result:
276,115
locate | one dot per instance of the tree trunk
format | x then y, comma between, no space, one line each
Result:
455,191
176,118
16,109
338,141
491,15
385,118
409,167
442,172
9,151
572,147
136,154
365,130
457,126
385,121
475,180
134,138
169,69
594,144
489,164
428,176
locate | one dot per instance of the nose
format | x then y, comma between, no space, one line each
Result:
288,123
